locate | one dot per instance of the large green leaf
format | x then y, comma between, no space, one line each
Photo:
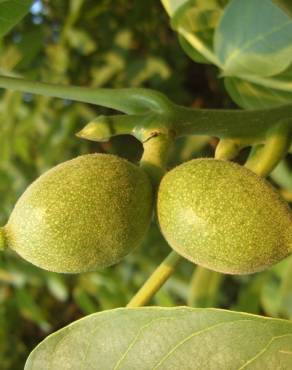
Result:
11,12
167,338
254,37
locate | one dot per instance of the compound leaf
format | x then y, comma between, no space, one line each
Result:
167,338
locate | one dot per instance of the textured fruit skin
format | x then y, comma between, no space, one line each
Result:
222,216
83,214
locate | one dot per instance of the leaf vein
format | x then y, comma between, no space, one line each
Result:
168,354
264,349
131,344
254,41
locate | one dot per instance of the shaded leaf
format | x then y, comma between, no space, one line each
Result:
167,338
282,175
191,51
276,295
30,309
204,288
30,46
249,95
11,12
197,18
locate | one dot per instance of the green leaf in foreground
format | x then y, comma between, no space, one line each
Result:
167,338
11,12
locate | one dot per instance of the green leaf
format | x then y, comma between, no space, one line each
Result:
30,309
167,338
195,22
171,6
11,12
249,95
254,37
197,15
191,51
30,47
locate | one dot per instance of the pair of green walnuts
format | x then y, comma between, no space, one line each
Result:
90,212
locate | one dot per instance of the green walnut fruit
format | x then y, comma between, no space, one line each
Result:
83,214
224,217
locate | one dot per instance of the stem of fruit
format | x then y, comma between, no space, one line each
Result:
264,158
156,280
227,149
153,161
154,158
2,239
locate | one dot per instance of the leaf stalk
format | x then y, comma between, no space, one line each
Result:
131,100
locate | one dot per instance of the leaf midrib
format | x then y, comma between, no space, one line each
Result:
250,43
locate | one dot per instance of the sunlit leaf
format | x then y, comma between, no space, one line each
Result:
171,6
254,37
197,19
167,338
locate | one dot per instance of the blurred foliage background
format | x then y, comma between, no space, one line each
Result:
108,43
